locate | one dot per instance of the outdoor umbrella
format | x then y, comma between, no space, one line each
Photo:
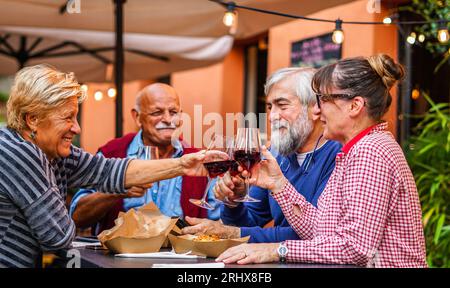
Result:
157,37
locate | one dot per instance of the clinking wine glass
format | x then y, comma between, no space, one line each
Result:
148,153
216,167
247,154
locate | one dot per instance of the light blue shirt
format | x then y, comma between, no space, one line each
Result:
165,194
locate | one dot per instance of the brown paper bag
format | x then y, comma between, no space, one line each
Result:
185,243
138,231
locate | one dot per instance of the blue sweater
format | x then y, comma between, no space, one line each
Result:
309,179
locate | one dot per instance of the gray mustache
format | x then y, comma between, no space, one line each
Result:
164,126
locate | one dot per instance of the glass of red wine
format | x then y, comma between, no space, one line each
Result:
247,154
215,167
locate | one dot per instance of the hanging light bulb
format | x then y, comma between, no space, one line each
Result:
421,38
230,16
443,35
411,39
111,92
338,34
387,20
98,95
84,87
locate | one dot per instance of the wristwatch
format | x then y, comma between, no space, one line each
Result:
282,252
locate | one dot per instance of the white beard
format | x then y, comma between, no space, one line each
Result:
295,136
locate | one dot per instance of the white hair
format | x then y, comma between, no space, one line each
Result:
302,77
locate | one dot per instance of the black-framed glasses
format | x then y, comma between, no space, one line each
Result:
320,98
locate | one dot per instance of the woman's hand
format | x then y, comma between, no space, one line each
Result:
267,174
250,253
192,164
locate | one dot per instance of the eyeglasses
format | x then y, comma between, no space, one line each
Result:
327,97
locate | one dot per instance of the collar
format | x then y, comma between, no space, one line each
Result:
138,142
377,127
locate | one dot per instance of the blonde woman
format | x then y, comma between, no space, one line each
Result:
369,213
38,164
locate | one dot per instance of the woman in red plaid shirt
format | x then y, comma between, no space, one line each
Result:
369,213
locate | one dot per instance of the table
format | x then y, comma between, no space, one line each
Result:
105,259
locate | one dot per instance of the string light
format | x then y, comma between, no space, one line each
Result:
111,92
84,87
415,94
98,95
443,35
421,38
387,20
230,16
411,39
338,34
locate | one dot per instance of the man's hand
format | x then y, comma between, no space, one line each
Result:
209,227
250,253
228,187
192,164
136,191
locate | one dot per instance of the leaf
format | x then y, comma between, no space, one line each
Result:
427,216
426,148
439,225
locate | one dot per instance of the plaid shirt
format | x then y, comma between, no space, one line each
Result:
369,213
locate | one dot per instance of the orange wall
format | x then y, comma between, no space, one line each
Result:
98,117
214,89
360,40
219,88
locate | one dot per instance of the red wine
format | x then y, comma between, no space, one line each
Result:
234,168
247,159
217,168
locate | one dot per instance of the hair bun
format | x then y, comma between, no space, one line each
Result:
389,71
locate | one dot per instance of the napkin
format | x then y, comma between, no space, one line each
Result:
197,265
164,255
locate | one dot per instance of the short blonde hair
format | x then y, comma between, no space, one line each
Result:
38,90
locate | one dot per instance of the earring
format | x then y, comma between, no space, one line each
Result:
33,135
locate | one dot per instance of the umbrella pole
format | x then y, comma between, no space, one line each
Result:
118,71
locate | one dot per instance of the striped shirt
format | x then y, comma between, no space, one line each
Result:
369,213
33,215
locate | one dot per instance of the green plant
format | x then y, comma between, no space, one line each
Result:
3,97
431,10
428,154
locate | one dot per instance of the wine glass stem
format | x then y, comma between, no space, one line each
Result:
205,194
247,186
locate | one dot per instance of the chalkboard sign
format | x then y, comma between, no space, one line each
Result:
315,52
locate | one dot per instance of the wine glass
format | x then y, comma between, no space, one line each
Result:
247,154
233,167
216,166
148,153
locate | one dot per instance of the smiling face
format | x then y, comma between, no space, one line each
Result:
159,114
54,133
335,117
290,123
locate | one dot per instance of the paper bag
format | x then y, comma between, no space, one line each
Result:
138,231
185,243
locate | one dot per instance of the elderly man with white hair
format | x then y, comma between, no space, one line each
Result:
305,157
